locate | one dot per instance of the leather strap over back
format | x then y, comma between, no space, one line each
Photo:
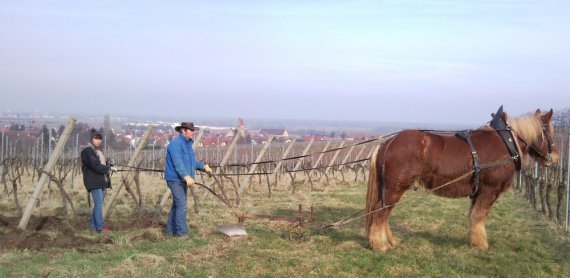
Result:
466,135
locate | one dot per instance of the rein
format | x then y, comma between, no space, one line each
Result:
358,213
137,169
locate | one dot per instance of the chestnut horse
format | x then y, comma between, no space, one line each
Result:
431,160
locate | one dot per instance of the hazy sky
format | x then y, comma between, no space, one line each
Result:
408,61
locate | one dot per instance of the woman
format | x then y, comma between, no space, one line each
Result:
96,178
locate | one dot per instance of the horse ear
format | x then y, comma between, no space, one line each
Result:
546,117
505,117
492,115
537,112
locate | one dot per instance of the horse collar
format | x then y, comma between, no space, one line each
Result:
498,123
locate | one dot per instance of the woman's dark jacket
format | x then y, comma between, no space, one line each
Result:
94,173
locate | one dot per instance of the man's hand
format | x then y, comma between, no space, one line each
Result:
114,169
189,181
208,170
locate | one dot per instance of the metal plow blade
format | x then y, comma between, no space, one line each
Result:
232,230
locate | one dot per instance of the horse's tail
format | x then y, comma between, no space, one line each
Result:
372,197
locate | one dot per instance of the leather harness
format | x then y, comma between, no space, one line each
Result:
497,123
504,131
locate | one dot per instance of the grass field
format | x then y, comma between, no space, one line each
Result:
432,233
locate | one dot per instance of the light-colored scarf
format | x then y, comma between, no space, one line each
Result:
99,153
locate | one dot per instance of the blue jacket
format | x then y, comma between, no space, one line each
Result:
180,160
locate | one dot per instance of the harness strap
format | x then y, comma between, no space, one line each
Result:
466,135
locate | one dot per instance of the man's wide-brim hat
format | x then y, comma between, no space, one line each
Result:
188,125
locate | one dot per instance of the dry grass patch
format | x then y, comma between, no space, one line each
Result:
215,249
151,235
137,264
347,245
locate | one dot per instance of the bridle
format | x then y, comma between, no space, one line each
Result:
548,140
545,138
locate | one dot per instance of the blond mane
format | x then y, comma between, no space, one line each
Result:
528,127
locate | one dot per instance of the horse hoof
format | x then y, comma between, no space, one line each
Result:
384,246
482,247
393,242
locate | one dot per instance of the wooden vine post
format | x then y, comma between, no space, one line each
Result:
46,172
280,163
342,166
331,163
239,133
355,166
254,166
299,163
109,205
316,164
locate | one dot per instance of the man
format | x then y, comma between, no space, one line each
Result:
95,178
180,169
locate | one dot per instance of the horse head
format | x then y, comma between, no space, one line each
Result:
537,132
541,145
544,150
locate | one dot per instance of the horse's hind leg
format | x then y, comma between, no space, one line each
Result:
478,215
391,239
380,236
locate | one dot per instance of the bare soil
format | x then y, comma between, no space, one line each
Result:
56,232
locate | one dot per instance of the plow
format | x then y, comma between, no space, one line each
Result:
297,227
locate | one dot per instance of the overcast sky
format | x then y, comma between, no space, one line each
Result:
405,61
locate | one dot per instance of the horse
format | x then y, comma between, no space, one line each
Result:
430,160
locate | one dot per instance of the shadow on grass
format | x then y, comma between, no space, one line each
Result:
440,240
356,234
338,236
354,231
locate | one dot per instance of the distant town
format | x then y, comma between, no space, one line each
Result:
122,132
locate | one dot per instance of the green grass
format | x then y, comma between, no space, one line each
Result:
432,233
